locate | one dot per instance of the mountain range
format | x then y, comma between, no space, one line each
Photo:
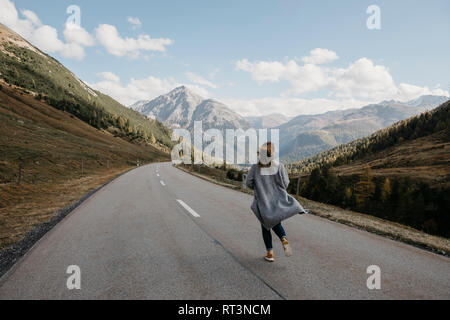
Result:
181,107
308,135
300,137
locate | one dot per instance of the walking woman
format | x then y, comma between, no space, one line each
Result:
272,204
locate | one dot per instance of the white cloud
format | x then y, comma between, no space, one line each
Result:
139,89
135,22
32,17
109,76
290,106
73,51
109,37
262,71
303,79
365,80
10,18
195,78
73,33
8,12
76,38
361,80
320,56
43,36
46,38
409,92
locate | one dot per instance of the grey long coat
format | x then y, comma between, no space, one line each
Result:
272,204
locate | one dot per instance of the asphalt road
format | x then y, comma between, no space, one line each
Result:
134,240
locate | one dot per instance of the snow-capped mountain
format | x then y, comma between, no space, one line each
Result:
428,102
215,114
300,137
181,107
138,106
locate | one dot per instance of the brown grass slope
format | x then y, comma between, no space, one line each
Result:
52,146
426,159
418,148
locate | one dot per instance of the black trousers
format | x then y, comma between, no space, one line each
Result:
267,235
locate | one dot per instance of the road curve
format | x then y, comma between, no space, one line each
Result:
160,233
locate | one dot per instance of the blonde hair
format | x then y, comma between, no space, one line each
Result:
269,149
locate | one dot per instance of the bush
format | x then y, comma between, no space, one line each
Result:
230,174
234,174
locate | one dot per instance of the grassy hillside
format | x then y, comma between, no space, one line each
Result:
401,173
25,66
56,157
423,125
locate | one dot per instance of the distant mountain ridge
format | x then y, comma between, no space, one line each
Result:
181,107
308,135
300,137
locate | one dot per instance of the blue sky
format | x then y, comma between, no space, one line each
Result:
256,56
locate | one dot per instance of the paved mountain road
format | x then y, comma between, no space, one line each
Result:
160,233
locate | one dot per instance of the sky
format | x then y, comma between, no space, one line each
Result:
259,57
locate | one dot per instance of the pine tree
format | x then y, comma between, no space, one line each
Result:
365,188
386,190
348,197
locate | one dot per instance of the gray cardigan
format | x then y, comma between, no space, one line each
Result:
272,204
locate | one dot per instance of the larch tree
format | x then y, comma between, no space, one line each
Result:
365,188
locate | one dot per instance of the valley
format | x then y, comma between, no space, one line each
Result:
301,137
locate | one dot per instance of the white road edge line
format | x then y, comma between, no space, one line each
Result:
162,183
189,209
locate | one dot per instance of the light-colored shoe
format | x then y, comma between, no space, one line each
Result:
287,248
269,257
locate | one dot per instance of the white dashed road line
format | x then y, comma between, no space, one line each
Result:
189,209
162,183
